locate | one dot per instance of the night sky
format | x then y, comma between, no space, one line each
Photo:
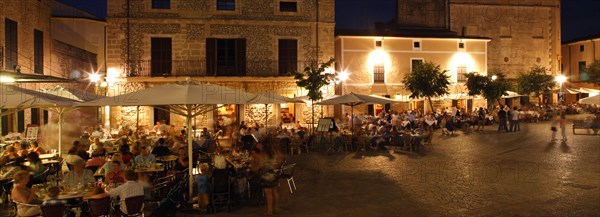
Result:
579,17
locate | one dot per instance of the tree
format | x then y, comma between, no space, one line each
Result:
593,71
313,78
536,81
427,80
491,87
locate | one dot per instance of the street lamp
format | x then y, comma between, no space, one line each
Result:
561,79
494,77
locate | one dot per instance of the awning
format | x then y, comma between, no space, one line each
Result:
582,90
31,78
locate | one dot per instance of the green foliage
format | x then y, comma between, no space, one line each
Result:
427,80
313,79
593,71
537,81
490,89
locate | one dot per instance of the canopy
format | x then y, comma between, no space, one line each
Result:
187,99
353,99
591,100
70,93
511,95
582,90
307,99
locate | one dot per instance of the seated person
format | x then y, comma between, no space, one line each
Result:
107,167
9,155
145,157
36,168
24,195
53,192
126,155
21,149
161,148
72,157
97,161
97,147
131,188
116,174
182,162
79,175
35,147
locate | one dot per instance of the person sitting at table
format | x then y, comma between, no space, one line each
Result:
96,162
135,148
177,143
145,157
161,148
97,147
8,156
182,162
21,149
52,192
107,166
35,147
79,175
35,168
131,188
80,150
116,173
126,155
25,196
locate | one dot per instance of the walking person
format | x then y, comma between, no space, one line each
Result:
481,119
502,120
562,123
515,116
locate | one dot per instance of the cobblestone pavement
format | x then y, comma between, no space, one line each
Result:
477,174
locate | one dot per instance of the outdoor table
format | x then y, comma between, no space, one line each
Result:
48,156
169,160
151,169
44,162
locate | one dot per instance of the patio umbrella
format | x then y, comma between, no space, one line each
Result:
511,95
353,99
20,98
186,99
591,100
78,95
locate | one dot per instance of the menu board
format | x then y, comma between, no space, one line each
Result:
326,125
32,132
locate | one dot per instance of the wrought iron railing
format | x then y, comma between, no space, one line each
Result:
170,68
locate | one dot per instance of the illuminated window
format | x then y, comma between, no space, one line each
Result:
461,73
379,73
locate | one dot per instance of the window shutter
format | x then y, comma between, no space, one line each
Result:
371,109
211,56
240,56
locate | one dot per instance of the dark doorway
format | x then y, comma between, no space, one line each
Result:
161,54
161,113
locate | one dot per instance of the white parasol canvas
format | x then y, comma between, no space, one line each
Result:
592,100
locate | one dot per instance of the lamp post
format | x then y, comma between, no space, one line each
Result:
561,79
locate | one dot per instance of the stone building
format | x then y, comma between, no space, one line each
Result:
523,33
246,44
576,55
53,40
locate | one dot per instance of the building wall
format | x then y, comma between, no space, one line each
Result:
524,33
358,55
571,56
83,35
189,23
29,15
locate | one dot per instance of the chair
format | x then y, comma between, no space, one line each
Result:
220,189
16,205
305,142
295,146
407,140
53,210
287,173
135,206
99,207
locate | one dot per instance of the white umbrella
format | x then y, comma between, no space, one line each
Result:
188,100
511,95
353,99
21,98
591,100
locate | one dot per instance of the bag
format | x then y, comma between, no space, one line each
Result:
553,129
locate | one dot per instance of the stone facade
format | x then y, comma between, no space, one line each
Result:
575,55
69,59
189,23
524,33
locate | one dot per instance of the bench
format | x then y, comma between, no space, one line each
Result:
581,124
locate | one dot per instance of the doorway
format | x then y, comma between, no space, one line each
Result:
161,113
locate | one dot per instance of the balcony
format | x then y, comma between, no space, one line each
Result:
196,68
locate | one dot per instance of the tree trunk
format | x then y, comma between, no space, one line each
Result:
430,104
312,123
499,103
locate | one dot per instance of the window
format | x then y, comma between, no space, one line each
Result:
583,76
417,44
38,51
46,116
226,5
414,63
461,45
21,121
581,48
378,43
226,57
288,56
461,73
288,6
161,56
379,73
5,120
35,116
10,41
161,4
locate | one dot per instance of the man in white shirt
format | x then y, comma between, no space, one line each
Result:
98,133
131,188
79,175
145,157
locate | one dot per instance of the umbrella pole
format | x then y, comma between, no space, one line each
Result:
60,122
137,118
188,122
352,124
267,118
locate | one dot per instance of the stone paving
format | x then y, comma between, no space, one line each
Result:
477,174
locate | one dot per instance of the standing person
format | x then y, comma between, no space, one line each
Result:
481,119
264,165
511,122
514,116
502,120
562,123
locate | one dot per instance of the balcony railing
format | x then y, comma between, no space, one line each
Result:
159,68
